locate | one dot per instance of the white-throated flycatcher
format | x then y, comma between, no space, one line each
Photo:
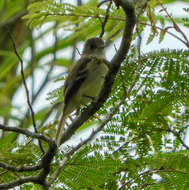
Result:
85,81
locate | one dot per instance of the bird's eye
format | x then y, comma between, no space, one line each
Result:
92,46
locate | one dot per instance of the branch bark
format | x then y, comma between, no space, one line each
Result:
26,132
20,169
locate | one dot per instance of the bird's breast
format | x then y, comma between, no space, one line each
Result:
93,83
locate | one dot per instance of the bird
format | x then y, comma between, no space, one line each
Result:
85,80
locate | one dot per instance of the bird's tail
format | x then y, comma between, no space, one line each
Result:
60,130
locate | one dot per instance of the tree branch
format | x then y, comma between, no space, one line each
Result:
176,27
17,182
20,169
170,33
25,86
25,132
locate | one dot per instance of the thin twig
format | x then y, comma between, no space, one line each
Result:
115,48
102,2
176,27
178,136
45,81
26,88
26,132
78,51
170,33
124,144
105,19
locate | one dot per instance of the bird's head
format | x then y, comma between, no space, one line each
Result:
94,47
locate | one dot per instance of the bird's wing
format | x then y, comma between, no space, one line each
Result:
76,78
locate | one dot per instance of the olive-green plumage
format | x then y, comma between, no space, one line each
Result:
86,79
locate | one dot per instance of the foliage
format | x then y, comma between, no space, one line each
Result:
143,146
82,169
